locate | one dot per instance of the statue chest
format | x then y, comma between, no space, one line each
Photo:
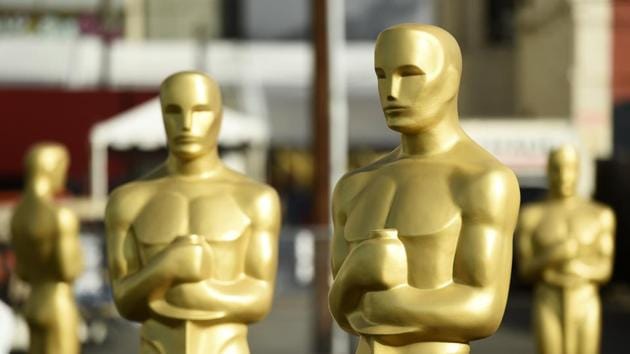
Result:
216,216
415,203
561,225
421,207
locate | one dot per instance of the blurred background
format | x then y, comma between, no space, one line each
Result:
301,109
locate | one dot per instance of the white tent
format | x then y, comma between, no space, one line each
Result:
141,127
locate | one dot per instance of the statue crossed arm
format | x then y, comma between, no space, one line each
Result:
371,286
183,261
596,267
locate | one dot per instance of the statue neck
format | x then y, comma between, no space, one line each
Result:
438,138
557,196
203,166
40,187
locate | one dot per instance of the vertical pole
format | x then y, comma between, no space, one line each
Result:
336,23
338,118
321,187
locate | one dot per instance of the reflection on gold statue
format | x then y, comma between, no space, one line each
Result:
193,246
566,245
48,254
422,244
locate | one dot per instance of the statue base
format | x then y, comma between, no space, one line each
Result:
192,337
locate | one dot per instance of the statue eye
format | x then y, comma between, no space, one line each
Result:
380,73
410,70
172,109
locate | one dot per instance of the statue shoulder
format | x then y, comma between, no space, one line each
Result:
606,215
265,205
259,199
125,201
67,219
353,181
531,214
491,192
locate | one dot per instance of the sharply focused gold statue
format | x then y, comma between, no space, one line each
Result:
193,246
48,253
566,246
422,245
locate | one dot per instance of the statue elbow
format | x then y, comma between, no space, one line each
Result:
486,313
260,307
126,308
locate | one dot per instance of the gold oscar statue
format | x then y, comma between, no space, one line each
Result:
566,246
45,238
193,246
422,244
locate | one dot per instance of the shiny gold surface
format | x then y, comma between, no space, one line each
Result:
422,244
48,253
193,246
566,246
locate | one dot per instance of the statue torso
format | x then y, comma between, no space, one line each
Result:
35,232
215,210
416,198
560,222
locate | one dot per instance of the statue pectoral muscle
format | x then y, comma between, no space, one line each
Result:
193,246
422,243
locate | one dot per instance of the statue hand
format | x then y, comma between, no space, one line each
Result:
380,313
188,259
566,250
383,260
376,263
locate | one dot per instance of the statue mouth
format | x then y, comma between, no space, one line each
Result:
186,139
395,109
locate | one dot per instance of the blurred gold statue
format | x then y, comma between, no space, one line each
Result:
48,253
422,245
566,246
193,246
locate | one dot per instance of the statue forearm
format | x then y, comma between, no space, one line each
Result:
70,258
464,312
131,292
598,271
246,300
360,273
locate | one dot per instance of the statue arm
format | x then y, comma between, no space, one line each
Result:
529,266
21,268
339,301
249,298
68,247
472,305
132,285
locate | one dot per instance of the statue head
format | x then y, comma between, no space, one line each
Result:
192,112
563,171
418,69
47,165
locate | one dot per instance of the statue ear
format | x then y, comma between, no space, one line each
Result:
451,81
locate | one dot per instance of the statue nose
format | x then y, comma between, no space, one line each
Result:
394,88
187,122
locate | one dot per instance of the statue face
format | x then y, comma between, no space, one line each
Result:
191,108
49,161
563,171
415,80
